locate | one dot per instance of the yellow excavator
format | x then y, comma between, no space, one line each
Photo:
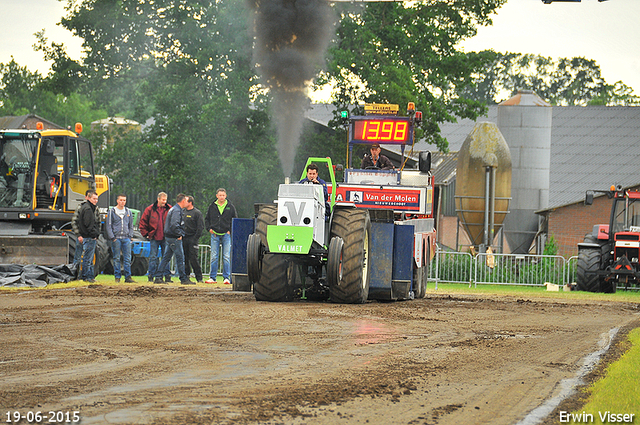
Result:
44,175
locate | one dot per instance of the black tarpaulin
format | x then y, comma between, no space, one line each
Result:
34,276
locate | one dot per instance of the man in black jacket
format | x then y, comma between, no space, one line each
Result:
89,229
218,222
193,227
376,160
173,234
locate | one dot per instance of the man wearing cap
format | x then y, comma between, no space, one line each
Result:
375,160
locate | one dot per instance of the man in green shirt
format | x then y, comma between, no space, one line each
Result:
218,222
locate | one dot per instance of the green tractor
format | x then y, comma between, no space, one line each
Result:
304,246
301,250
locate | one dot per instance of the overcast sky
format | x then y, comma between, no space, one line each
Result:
608,32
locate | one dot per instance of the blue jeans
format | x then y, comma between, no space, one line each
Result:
124,246
77,256
173,247
225,240
88,249
153,258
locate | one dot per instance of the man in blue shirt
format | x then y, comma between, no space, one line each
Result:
173,234
312,178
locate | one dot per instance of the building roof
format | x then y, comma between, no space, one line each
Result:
320,113
444,166
25,121
593,148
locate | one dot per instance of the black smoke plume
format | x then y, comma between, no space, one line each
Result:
291,37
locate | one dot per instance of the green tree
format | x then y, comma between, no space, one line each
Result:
16,86
24,92
566,81
400,52
618,94
65,75
185,68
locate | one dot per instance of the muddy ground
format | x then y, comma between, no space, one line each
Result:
175,355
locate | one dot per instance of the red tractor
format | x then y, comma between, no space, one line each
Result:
609,255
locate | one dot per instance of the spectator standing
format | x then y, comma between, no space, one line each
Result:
218,222
120,233
173,234
152,228
77,256
89,229
193,227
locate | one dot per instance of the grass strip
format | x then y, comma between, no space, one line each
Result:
538,291
616,394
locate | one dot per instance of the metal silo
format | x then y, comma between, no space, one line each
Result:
525,123
483,183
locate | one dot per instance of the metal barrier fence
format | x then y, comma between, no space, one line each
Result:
204,257
505,269
572,264
529,270
452,267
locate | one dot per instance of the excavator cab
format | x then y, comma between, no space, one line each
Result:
18,153
49,170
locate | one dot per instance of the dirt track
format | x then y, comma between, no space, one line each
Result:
172,355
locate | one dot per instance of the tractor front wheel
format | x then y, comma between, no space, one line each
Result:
272,283
334,261
254,263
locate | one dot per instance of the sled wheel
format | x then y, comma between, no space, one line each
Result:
421,274
419,281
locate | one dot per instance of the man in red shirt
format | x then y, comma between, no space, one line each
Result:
152,228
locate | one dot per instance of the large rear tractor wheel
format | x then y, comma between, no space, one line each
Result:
353,226
272,282
587,278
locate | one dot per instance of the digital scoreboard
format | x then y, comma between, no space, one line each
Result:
389,130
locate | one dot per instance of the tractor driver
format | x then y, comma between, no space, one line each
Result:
312,178
376,160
